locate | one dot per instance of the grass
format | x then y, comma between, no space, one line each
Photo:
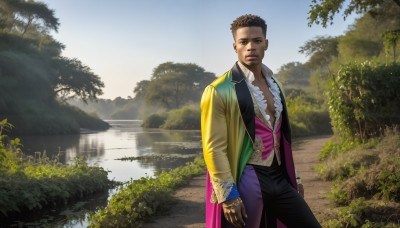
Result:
366,185
139,199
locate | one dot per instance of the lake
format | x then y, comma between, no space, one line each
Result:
124,139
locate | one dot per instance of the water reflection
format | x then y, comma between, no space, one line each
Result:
123,139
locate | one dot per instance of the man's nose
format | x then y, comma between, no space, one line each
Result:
250,46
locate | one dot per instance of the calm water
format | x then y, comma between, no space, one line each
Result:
123,139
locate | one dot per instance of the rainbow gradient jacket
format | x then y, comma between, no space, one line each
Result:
228,133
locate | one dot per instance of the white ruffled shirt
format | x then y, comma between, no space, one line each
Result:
260,106
258,94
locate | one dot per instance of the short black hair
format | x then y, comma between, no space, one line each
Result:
248,20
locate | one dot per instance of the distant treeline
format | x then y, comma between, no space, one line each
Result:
35,79
107,109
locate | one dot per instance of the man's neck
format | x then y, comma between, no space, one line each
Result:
256,70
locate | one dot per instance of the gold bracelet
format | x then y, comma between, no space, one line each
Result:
234,204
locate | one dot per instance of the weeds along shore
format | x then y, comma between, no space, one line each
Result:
139,199
29,184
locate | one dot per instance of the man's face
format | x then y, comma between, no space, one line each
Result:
250,45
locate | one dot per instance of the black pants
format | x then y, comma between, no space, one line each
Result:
281,200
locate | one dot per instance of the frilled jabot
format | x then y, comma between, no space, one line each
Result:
258,95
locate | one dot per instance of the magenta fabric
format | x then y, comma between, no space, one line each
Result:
267,137
213,211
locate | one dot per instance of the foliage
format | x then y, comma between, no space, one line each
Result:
366,182
173,85
186,118
364,40
307,117
363,213
117,109
391,38
363,98
129,111
343,164
29,184
369,170
155,120
76,80
140,89
51,118
26,16
336,146
321,49
294,74
34,76
148,196
323,11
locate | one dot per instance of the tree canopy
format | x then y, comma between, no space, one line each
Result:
323,11
34,75
294,74
321,50
173,85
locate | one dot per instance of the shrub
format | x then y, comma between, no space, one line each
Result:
307,117
363,98
186,118
154,120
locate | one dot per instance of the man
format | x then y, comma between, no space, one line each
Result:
246,140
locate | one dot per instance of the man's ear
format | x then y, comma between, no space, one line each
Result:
234,47
266,44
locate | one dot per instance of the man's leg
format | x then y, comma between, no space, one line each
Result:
292,209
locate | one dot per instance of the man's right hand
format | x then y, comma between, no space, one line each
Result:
234,212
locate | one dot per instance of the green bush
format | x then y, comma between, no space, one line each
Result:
307,117
335,147
154,120
185,118
29,184
141,198
364,98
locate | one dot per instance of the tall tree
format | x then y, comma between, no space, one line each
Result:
140,89
364,40
174,84
321,50
74,79
33,74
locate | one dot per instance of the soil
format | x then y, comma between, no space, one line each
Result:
189,210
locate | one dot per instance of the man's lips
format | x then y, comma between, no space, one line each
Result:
251,56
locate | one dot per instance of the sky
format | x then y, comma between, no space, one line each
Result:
122,41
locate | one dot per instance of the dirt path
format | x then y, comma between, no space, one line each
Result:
189,211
